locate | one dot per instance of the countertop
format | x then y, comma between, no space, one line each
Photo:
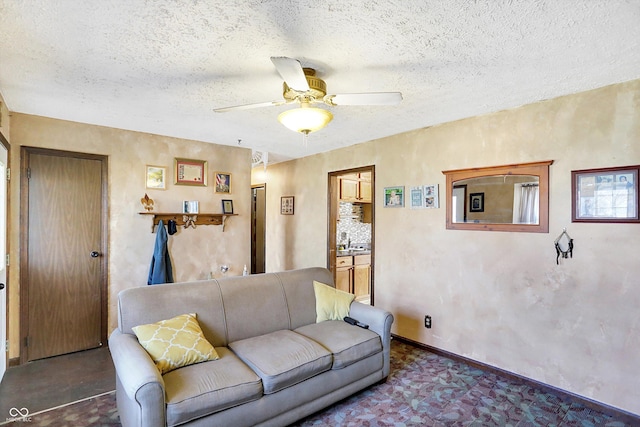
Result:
352,252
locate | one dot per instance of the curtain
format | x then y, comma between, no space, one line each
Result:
529,206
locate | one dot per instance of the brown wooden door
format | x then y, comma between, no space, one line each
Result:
65,255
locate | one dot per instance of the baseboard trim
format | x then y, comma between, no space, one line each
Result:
15,361
617,413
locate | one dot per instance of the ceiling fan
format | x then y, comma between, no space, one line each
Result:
303,87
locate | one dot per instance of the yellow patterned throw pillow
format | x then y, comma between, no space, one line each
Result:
331,303
175,343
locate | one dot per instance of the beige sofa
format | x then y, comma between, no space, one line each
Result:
276,365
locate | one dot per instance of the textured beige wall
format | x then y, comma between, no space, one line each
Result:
5,119
495,297
195,252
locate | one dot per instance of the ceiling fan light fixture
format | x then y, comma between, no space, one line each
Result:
305,119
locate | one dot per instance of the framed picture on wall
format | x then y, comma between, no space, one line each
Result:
476,202
605,195
223,182
286,205
417,197
424,196
156,177
394,197
227,206
190,172
431,196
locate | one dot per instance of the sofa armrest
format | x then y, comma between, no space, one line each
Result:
380,322
143,400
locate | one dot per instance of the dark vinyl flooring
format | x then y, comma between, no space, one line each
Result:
48,383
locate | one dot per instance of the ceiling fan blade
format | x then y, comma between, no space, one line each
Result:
374,98
291,72
249,106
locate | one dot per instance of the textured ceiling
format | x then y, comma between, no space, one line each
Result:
162,66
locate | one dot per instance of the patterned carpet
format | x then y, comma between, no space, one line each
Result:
424,389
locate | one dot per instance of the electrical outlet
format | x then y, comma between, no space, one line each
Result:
427,322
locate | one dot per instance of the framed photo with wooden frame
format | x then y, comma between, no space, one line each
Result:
156,177
605,195
227,207
286,205
190,172
222,182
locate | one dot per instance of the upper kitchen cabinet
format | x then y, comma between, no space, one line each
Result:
356,187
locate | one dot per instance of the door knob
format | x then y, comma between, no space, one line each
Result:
1,286
95,254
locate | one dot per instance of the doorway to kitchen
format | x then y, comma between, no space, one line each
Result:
351,230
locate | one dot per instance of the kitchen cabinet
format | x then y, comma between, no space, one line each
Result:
365,187
349,187
353,275
361,276
365,191
344,273
356,187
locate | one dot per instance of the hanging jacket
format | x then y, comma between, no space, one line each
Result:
161,270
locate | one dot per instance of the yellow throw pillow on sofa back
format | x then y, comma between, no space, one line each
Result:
331,303
175,342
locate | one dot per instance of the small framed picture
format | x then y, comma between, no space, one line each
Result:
190,206
394,197
286,205
417,197
156,177
476,202
227,206
223,182
431,200
424,196
605,195
190,172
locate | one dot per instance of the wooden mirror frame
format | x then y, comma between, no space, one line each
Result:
539,169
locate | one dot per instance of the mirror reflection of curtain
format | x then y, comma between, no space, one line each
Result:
526,206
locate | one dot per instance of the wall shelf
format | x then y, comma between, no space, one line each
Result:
188,219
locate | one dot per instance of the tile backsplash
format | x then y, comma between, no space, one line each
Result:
350,227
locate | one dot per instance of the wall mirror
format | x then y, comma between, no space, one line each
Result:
499,198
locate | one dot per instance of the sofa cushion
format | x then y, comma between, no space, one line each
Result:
282,358
176,342
348,343
198,390
331,303
298,289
